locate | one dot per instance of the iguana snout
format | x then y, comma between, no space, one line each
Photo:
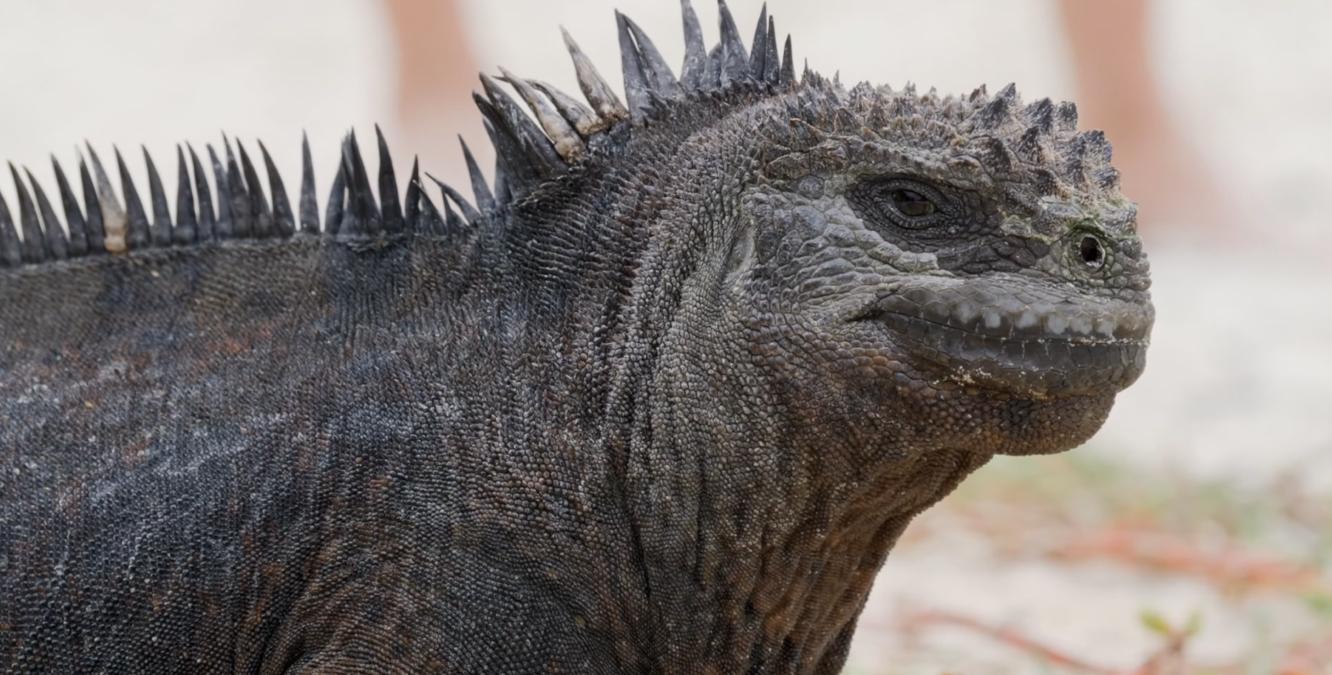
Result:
1013,335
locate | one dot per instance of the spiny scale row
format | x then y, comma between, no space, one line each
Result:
1049,134
530,149
242,209
560,130
1043,134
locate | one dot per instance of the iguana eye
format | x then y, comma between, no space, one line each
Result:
1091,251
912,204
903,202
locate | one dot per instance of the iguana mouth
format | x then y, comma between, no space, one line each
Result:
1020,342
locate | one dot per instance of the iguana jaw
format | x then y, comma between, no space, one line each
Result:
1015,338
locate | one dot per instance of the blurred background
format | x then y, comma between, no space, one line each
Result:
1191,535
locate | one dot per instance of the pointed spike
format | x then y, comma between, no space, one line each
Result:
411,200
226,202
661,81
1066,116
468,212
243,211
452,223
368,205
1009,92
996,156
160,230
637,88
138,236
34,240
254,187
712,70
225,227
503,194
354,211
78,228
204,197
432,221
508,149
57,247
1093,145
1029,146
594,86
350,224
389,207
236,195
1041,114
429,221
566,140
788,77
11,250
114,220
337,196
187,226
284,222
309,205
758,49
440,224
584,121
772,61
537,148
353,167
103,181
96,231
485,201
995,113
361,206
735,58
1089,159
696,53
261,217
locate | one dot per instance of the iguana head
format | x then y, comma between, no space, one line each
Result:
969,261
906,272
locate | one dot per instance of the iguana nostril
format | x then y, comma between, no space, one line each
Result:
1091,251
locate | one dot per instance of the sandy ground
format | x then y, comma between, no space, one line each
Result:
1239,382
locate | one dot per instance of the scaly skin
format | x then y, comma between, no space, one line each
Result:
667,412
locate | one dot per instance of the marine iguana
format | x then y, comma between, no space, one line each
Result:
661,399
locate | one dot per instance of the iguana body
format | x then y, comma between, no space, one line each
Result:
662,403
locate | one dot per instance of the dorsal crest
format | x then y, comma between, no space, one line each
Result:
546,135
538,132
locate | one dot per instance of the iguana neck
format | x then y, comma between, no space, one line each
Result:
759,522
761,543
